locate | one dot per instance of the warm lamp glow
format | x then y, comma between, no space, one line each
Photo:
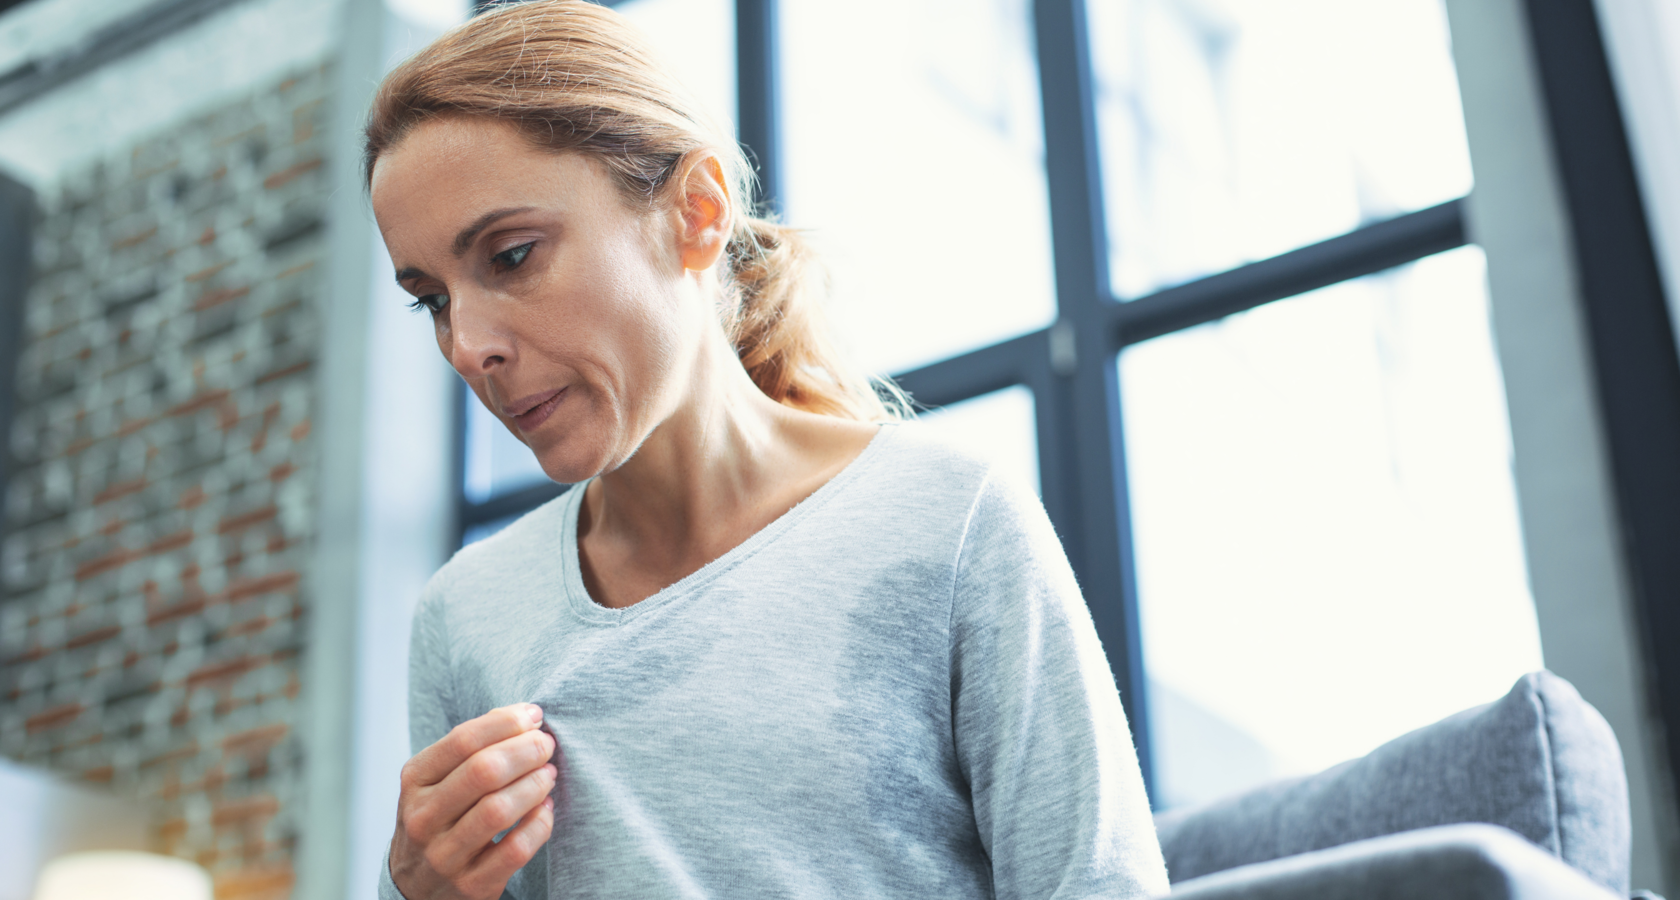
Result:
122,875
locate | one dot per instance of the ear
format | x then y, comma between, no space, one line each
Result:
707,217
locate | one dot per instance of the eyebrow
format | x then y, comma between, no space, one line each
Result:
464,240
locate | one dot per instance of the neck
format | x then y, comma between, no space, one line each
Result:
718,458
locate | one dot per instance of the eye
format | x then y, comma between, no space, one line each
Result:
513,256
432,303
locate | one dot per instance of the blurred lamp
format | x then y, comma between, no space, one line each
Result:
122,875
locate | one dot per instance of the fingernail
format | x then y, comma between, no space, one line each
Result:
553,770
548,803
534,712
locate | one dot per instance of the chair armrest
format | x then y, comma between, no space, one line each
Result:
1450,862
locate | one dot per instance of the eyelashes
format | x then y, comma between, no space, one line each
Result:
505,261
432,303
511,257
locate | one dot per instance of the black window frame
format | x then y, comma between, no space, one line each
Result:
1071,367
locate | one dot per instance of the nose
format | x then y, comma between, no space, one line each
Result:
479,337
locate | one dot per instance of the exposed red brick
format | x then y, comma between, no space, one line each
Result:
227,669
277,374
268,882
84,354
116,559
267,584
246,520
276,543
185,751
227,416
172,830
208,398
202,274
178,610
249,626
238,812
219,173
131,426
300,430
135,239
120,489
289,271
290,173
92,637
112,527
79,444
218,297
171,541
191,497
101,774
53,717
208,236
255,740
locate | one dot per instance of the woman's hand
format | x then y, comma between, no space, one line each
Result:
488,775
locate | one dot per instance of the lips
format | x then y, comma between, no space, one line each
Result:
536,409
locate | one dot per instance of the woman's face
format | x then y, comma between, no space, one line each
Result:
574,317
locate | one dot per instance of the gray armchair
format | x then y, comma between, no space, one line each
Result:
1522,798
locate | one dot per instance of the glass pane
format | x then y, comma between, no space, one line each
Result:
1000,427
496,461
1235,131
1326,530
695,40
915,157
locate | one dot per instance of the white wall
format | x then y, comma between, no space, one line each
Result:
43,817
220,57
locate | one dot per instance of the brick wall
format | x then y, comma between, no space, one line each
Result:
158,525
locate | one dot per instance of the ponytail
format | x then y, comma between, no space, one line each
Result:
779,332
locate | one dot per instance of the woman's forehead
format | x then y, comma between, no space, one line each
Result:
448,171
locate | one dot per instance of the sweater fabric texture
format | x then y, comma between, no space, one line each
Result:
893,690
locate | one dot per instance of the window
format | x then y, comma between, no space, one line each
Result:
1198,272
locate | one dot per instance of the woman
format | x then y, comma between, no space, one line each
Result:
772,644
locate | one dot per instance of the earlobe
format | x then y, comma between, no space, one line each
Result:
707,214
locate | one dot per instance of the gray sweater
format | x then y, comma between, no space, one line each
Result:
894,690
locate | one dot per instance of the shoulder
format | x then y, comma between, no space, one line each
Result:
920,462
916,461
503,557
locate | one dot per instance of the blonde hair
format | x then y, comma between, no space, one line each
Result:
576,77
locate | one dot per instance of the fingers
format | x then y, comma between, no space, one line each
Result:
501,860
435,763
485,772
495,813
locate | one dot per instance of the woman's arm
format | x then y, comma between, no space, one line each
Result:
1040,733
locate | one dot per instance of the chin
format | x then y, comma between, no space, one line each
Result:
572,459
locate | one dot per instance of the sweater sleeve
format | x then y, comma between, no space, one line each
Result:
430,694
1040,733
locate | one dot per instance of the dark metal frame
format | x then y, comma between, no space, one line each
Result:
1629,329
1071,366
17,217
